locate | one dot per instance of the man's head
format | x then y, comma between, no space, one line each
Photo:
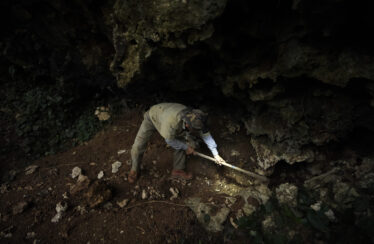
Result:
195,120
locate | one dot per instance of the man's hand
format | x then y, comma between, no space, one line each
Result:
190,150
219,160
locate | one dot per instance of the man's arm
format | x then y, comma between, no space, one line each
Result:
212,145
210,142
176,144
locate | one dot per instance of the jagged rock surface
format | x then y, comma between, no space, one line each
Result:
303,70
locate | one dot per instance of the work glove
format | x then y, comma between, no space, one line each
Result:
219,160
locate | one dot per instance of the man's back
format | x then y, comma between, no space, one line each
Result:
166,117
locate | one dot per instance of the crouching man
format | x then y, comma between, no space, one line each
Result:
173,121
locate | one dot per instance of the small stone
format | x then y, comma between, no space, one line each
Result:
330,215
102,113
154,162
144,194
92,164
287,194
76,172
56,218
31,169
60,209
316,207
268,223
234,153
108,206
19,208
122,151
100,175
115,166
123,203
81,210
174,192
291,234
65,195
30,235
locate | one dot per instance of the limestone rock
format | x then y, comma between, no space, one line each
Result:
330,215
254,197
122,151
102,113
175,192
287,194
160,22
100,175
123,203
30,235
31,169
269,154
316,207
76,172
210,219
268,223
61,207
144,194
115,166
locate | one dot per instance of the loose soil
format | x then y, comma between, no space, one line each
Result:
152,220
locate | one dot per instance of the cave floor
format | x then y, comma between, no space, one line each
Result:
154,219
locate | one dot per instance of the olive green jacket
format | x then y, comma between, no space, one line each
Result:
167,119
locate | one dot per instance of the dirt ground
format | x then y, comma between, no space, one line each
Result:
28,202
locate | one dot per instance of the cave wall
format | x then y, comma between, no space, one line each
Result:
303,69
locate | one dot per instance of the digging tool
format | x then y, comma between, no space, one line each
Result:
259,177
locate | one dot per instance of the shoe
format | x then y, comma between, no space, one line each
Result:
181,174
133,176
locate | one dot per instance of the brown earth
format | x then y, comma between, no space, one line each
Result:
95,217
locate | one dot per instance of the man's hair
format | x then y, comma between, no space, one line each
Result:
196,119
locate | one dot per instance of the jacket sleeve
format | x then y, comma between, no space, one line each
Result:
209,141
176,144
